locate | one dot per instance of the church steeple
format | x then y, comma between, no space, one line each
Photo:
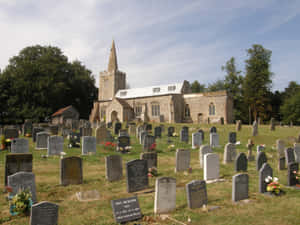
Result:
112,63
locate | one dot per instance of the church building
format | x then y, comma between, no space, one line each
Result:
172,103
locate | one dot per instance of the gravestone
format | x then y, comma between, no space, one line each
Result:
264,172
148,127
196,194
240,187
292,179
19,145
27,129
250,146
117,128
272,124
241,162
259,148
151,158
157,132
16,163
184,135
214,139
11,133
204,149
113,168
123,132
74,139
88,145
211,166
196,140
213,130
42,140
232,137
71,170
53,129
55,145
289,155
238,126
148,143
171,130
142,136
123,142
229,153
126,209
182,160
44,213
202,134
65,132
255,129
101,135
165,195
281,163
132,130
260,160
297,152
22,180
85,131
280,145
137,175
36,130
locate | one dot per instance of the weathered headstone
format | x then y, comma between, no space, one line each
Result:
289,155
272,124
238,126
151,158
229,153
196,194
123,142
22,181
171,131
113,167
44,213
88,145
232,137
202,134
132,130
293,168
259,148
11,133
255,128
42,140
19,145
264,172
17,162
101,135
211,166
260,160
157,132
240,187
204,149
137,175
184,135
55,145
213,130
117,128
148,143
214,139
71,170
250,146
85,131
36,130
126,209
165,195
196,140
297,152
241,162
182,160
280,145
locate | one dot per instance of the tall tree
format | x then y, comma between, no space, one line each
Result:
40,80
291,109
257,82
197,87
218,85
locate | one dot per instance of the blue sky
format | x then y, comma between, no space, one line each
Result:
161,41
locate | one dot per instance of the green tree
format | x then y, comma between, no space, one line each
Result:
218,85
40,80
257,82
291,109
197,87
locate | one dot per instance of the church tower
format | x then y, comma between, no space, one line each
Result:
111,80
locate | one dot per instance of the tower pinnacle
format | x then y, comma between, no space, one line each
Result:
112,63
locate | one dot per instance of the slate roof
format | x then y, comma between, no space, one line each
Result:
60,111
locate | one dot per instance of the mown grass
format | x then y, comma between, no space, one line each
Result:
261,210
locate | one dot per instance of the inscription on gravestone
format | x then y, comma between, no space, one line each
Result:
55,145
196,194
19,145
240,187
44,213
71,170
113,166
42,140
165,195
137,175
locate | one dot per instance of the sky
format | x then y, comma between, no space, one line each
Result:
158,41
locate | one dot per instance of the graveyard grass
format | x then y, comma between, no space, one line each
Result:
261,210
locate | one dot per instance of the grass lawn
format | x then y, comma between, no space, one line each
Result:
261,210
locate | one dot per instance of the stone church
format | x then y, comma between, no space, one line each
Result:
173,103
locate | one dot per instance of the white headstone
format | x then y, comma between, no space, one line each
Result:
204,149
211,166
165,195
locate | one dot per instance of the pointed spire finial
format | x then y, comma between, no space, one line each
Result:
112,63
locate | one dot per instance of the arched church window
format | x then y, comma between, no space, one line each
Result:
212,109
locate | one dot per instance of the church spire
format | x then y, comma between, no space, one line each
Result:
112,63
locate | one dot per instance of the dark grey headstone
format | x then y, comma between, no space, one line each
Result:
202,132
260,160
196,194
44,213
264,172
17,162
126,209
148,127
11,133
71,170
289,155
118,127
22,181
292,168
114,168
123,142
184,135
151,158
241,162
213,130
42,140
232,137
137,175
240,187
171,130
19,145
157,132
148,142
88,145
36,130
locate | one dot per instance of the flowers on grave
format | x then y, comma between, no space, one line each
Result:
297,174
27,135
273,185
124,149
152,147
152,172
62,154
175,134
171,147
20,203
109,145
